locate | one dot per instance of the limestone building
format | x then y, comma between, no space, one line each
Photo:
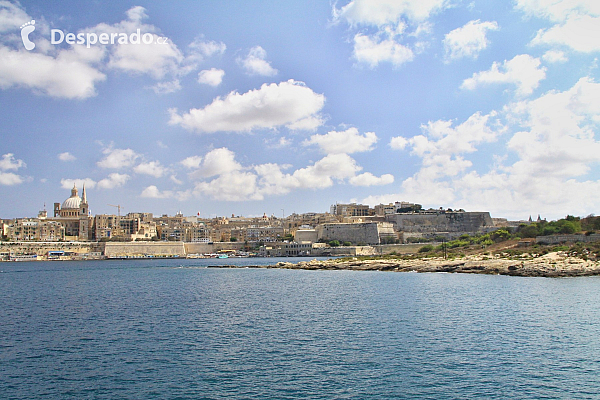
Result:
74,215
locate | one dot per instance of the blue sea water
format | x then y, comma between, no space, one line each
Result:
174,329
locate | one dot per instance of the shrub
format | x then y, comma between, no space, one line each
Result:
426,249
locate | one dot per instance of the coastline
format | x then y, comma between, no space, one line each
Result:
551,265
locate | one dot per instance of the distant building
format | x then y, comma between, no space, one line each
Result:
35,229
74,215
351,210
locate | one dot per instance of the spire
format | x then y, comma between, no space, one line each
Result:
83,196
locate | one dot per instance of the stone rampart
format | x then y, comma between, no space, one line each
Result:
155,249
366,232
441,222
42,248
204,248
556,239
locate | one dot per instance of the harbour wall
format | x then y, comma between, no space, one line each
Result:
133,249
42,248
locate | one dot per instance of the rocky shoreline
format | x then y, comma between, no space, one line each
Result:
556,264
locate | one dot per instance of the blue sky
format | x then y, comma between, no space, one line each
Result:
279,107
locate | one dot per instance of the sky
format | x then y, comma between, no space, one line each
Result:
278,107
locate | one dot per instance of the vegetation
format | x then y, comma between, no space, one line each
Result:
567,225
426,249
590,223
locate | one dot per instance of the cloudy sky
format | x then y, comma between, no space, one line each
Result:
253,107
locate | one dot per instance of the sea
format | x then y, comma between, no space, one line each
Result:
182,329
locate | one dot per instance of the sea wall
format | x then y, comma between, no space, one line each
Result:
42,248
156,249
203,248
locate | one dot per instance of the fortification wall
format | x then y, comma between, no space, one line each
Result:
42,248
203,248
367,233
157,249
556,239
442,222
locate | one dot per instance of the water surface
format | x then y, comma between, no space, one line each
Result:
142,329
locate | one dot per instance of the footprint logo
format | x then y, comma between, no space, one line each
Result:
26,29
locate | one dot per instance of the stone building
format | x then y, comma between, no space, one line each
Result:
35,229
74,215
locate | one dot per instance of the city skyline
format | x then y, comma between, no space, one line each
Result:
288,108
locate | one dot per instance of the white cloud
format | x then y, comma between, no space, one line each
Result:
523,71
398,143
66,156
271,106
68,183
74,72
324,171
208,48
348,141
368,179
393,21
555,56
221,177
118,158
558,10
156,60
559,136
113,180
212,77
442,147
67,75
554,146
11,16
166,87
372,51
192,162
579,32
468,40
576,23
255,64
9,179
152,168
232,186
174,179
153,193
383,12
216,162
136,13
8,162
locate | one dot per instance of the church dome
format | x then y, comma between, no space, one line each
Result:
74,201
